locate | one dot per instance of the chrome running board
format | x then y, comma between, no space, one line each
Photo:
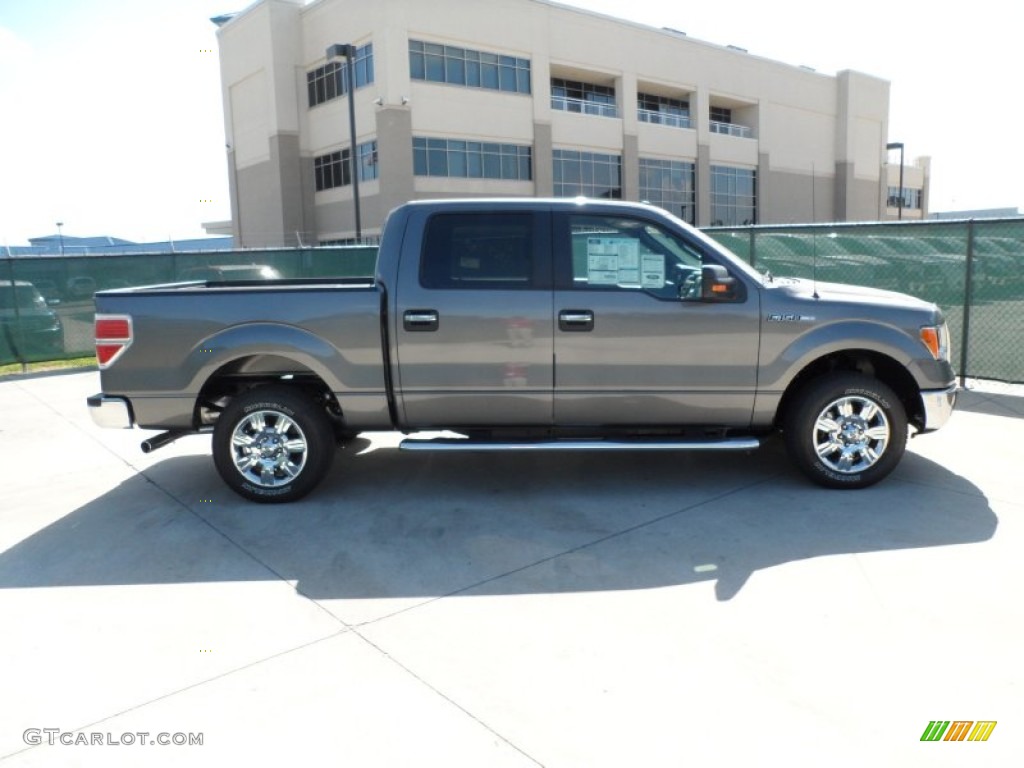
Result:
572,444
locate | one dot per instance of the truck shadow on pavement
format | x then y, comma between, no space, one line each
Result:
387,524
991,404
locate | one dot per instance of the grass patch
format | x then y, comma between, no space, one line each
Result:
48,365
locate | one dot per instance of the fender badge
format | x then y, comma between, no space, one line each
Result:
790,318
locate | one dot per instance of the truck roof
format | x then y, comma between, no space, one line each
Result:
532,203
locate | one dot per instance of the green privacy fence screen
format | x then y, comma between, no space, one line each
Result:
46,302
974,270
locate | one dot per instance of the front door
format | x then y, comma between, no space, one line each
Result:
636,344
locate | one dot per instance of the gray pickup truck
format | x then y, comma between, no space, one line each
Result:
533,325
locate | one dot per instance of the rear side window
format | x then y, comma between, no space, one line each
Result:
478,251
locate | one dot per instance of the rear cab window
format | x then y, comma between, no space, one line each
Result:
484,251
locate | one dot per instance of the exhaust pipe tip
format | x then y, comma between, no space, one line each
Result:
159,441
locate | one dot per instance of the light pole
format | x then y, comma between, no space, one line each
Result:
60,236
898,145
349,51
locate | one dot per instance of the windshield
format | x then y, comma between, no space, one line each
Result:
731,258
28,297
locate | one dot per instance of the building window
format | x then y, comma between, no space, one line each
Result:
721,122
472,159
911,198
331,80
721,115
335,169
733,196
462,66
663,111
588,174
331,170
585,98
369,165
671,185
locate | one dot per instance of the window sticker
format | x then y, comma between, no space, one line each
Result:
652,270
613,261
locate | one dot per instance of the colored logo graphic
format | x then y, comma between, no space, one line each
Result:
958,730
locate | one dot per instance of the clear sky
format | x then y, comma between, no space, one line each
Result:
112,118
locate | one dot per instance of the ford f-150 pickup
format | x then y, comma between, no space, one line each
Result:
526,324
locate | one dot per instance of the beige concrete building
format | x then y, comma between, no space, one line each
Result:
528,97
912,185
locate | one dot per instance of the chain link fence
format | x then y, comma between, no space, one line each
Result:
974,270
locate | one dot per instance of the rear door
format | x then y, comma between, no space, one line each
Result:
636,342
473,322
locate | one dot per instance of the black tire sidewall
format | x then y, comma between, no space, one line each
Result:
297,406
798,428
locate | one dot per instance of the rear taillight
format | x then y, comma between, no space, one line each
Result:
113,336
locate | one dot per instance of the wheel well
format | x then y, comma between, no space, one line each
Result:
244,373
879,366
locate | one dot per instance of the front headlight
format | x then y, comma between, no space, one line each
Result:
936,338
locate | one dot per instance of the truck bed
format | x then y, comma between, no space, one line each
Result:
182,336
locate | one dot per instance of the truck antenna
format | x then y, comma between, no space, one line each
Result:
814,236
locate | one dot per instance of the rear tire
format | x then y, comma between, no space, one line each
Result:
273,444
846,430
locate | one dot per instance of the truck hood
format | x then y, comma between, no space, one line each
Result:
801,288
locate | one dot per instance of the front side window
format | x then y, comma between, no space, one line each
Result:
478,251
619,253
24,297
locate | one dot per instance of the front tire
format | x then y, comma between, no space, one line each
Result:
846,430
273,444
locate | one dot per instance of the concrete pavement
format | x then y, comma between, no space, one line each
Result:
519,609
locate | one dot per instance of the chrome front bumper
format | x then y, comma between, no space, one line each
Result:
110,412
938,406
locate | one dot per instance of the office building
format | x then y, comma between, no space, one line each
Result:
464,98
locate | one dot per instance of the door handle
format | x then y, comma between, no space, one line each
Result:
575,320
421,320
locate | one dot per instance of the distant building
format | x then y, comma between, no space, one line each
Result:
987,213
528,97
916,183
55,245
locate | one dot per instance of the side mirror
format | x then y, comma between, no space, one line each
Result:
717,284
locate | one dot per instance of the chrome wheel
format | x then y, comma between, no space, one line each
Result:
273,443
851,434
845,429
268,448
